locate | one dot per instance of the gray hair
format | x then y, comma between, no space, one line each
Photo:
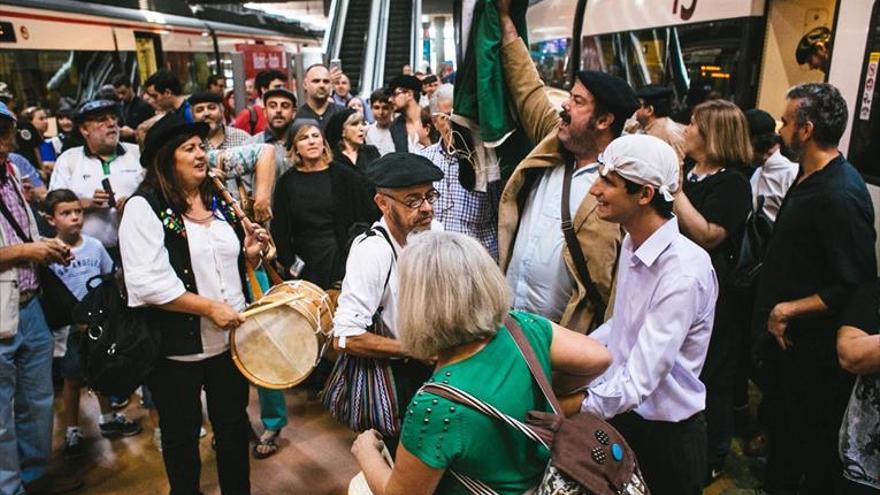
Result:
451,293
823,106
352,119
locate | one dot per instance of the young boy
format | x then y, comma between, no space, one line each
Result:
65,213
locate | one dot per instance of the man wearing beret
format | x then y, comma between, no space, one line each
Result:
207,107
405,194
82,170
404,92
559,262
655,106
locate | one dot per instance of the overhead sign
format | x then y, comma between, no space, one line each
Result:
612,16
262,57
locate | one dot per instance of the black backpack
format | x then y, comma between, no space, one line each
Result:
749,257
119,349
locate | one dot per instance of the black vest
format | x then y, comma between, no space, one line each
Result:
181,332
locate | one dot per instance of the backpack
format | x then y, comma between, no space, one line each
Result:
749,256
587,455
119,349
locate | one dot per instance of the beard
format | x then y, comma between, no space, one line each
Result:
409,227
579,141
793,151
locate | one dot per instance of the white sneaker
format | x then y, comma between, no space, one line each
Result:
157,439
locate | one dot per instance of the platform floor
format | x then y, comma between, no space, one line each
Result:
313,459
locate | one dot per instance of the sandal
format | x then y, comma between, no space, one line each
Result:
268,443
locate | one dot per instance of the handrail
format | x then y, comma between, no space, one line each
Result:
381,43
333,37
415,36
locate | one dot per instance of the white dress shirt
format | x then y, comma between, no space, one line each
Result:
150,279
380,138
537,275
82,173
772,181
659,333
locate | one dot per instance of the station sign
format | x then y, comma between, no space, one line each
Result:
262,57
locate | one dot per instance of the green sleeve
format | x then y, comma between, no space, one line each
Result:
238,161
433,429
539,331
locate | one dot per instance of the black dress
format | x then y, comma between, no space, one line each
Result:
367,154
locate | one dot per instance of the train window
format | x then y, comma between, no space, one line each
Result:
864,143
550,57
707,53
192,68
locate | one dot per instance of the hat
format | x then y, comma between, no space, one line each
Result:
400,169
611,92
430,78
335,124
205,97
93,107
298,124
166,129
6,113
284,92
5,93
808,42
760,122
408,82
642,159
654,92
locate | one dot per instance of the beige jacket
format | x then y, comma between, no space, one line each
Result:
9,278
599,240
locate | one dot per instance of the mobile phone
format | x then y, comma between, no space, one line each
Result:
111,202
336,63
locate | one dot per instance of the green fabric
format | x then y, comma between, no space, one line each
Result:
481,93
446,435
273,408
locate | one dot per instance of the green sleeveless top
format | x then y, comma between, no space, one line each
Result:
447,435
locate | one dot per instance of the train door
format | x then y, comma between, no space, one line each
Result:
864,141
148,47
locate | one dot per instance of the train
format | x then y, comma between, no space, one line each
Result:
57,53
742,50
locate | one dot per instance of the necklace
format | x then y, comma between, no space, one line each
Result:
201,221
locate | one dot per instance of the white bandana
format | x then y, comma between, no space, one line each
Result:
644,160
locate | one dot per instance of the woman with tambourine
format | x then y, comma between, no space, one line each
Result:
184,252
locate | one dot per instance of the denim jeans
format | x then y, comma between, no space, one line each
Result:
25,401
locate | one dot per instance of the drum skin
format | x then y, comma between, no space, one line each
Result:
279,347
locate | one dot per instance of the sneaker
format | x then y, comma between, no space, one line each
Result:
118,403
74,446
157,439
120,426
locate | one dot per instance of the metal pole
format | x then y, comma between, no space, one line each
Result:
238,78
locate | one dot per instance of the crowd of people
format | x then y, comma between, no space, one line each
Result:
616,244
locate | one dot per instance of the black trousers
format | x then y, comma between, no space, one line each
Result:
176,387
409,375
672,456
805,406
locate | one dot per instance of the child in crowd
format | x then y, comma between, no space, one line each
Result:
65,213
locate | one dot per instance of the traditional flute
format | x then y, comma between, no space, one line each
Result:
247,223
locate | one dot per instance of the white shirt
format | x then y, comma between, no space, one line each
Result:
150,279
772,181
659,333
537,275
82,174
380,138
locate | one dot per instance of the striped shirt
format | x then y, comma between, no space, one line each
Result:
12,197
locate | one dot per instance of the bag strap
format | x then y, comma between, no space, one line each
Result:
528,352
15,226
574,248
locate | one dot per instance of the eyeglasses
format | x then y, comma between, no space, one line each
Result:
414,203
400,91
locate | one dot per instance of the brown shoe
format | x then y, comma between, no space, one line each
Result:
53,484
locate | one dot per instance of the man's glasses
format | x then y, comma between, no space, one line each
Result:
414,203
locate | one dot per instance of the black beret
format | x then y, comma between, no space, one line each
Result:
205,97
611,92
284,92
760,122
408,82
333,131
170,127
808,42
430,78
94,107
401,169
654,92
298,124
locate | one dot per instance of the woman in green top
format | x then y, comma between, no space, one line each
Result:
453,299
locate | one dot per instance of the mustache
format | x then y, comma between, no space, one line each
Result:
565,116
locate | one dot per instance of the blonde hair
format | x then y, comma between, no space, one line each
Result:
725,131
295,159
451,293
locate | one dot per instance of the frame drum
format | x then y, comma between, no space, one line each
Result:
284,335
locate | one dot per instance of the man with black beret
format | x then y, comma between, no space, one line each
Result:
655,106
405,92
83,169
405,194
558,255
207,107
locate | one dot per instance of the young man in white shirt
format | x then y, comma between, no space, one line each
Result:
405,194
659,332
775,173
379,133
83,169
